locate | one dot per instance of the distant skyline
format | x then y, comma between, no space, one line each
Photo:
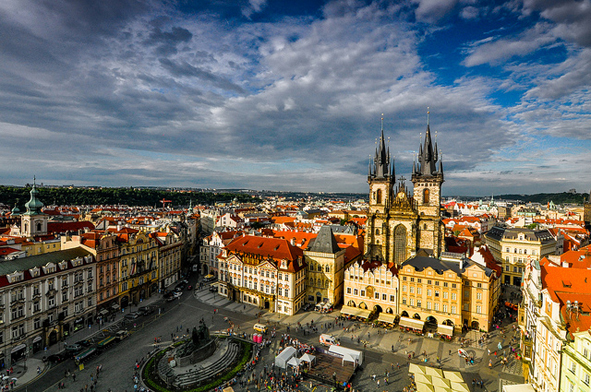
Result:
288,95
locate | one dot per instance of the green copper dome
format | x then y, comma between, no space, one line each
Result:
34,205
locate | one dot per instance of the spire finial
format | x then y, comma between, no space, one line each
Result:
382,122
428,115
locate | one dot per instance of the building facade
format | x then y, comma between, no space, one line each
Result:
44,300
326,264
514,247
266,272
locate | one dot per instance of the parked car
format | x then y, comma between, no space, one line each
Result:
146,310
58,357
72,347
175,295
132,316
122,334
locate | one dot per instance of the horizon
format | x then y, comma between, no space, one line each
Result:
257,94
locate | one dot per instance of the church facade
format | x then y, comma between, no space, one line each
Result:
403,223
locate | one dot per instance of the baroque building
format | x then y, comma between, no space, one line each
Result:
400,224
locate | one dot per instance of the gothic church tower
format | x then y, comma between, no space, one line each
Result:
427,179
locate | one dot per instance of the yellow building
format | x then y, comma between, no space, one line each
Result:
440,293
138,266
514,247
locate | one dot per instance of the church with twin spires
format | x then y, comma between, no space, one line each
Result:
403,223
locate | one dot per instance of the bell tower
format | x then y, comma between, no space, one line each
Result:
427,177
381,178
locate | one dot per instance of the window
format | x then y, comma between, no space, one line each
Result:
445,284
479,296
404,278
445,295
428,305
453,296
327,268
51,302
89,302
419,303
412,279
412,302
37,323
437,293
506,268
391,298
426,196
436,283
348,290
436,306
419,280
453,285
573,367
36,306
445,308
64,296
429,292
479,285
404,301
377,295
429,282
478,309
453,309
419,290
384,296
586,378
404,288
355,292
412,290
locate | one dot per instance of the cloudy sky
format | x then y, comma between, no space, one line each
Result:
288,95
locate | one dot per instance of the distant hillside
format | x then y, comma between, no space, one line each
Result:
114,196
544,198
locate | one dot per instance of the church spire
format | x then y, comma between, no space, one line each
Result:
34,205
428,155
382,158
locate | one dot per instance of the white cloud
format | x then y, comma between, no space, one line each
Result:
502,49
432,11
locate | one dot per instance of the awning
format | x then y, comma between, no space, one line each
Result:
386,317
20,347
423,379
445,330
460,386
411,323
37,339
441,382
433,372
424,387
350,310
79,320
104,312
363,313
115,306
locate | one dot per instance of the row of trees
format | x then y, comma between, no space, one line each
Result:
113,196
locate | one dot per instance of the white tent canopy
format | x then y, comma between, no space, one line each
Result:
284,356
294,361
307,358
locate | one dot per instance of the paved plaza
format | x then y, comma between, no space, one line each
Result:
385,351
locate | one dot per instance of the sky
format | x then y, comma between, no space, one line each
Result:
289,95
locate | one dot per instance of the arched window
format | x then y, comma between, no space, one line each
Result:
426,196
377,231
38,226
379,197
327,268
400,245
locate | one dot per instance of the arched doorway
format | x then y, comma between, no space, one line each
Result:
404,314
416,316
448,322
318,297
363,305
377,309
124,302
52,337
475,325
389,311
351,303
431,324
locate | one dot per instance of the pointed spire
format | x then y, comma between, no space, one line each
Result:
382,159
393,171
441,166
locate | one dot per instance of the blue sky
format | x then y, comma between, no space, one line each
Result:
284,95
